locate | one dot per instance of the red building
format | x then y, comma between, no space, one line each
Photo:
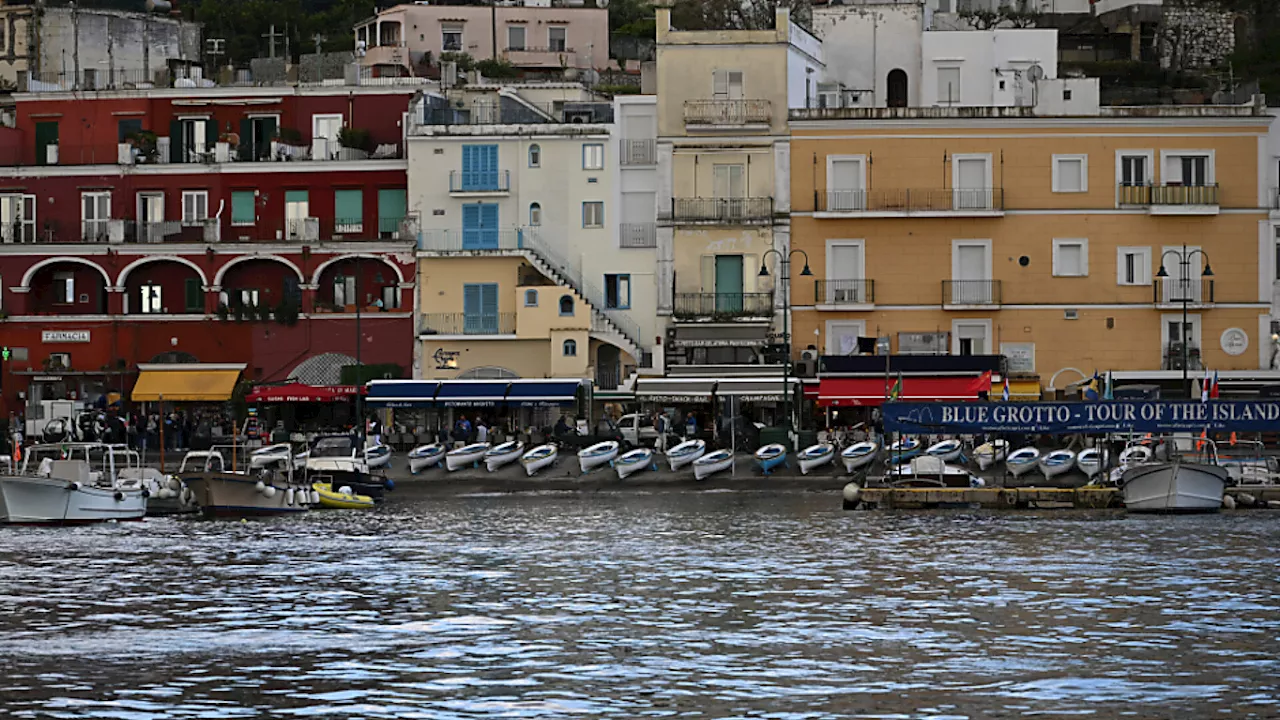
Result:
219,225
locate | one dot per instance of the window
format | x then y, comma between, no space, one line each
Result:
1133,266
593,156
846,182
64,288
970,337
193,294
557,38
1133,170
249,298
451,38
95,212
531,298
242,207
127,128
727,84
842,336
1277,269
1070,173
948,85
151,296
570,348
515,37
1188,168
17,218
196,136
535,214
1070,258
390,297
728,181
344,290
195,207
348,211
617,292
480,309
593,214
971,182
566,305
1195,171
535,156
297,209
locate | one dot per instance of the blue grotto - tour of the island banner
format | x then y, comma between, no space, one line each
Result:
1083,417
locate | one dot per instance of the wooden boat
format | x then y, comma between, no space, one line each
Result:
341,499
932,471
425,456
502,454
1057,462
991,453
377,456
1176,486
815,456
538,458
1022,460
467,455
947,450
771,456
633,462
685,453
1092,461
599,454
859,455
712,463
904,450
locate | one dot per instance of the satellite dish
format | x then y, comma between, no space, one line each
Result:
602,3
1035,73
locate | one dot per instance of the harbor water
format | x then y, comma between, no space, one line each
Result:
705,604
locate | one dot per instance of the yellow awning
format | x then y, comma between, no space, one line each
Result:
194,385
1019,390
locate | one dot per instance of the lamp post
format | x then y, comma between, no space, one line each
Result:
360,422
785,259
1184,284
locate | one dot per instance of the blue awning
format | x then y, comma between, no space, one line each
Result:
543,393
472,393
402,393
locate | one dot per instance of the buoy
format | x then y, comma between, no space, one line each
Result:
270,492
1228,502
852,492
390,484
1009,499
315,497
288,496
344,490
175,484
1246,500
260,486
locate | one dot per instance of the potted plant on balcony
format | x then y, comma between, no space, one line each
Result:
144,142
355,139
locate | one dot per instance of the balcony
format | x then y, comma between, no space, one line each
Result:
737,114
964,294
436,117
475,184
637,152
466,324
1171,199
1169,293
1173,359
720,211
459,241
722,306
945,202
638,235
541,57
171,231
844,293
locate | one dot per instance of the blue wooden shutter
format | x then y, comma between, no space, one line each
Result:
470,308
489,223
489,167
471,227
470,159
489,307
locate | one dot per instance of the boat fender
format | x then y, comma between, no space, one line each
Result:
260,487
270,492
146,493
852,492
1228,502
315,497
288,497
74,486
389,484
119,496
1246,500
175,484
345,490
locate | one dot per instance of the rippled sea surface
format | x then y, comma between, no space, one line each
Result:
711,605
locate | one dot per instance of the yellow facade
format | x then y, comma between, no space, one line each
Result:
1071,257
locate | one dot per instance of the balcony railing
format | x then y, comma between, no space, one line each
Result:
483,181
1166,195
637,152
844,292
138,79
638,235
1172,291
468,324
970,292
727,112
723,305
722,210
438,240
910,200
510,111
1173,359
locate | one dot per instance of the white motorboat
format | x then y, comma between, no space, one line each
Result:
168,495
538,458
633,462
467,455
1057,462
859,455
425,456
932,471
270,456
599,454
771,456
685,453
815,456
1022,461
1136,454
1174,486
502,454
1092,461
991,453
948,450
376,456
712,463
57,485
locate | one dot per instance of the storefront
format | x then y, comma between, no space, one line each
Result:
193,396
507,406
299,408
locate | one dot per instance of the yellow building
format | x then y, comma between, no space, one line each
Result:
994,231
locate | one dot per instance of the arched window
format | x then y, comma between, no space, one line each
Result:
898,87
535,214
535,156
531,298
566,305
570,348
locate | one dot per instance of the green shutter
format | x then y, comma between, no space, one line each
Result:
195,296
175,142
392,207
242,211
245,151
348,209
211,133
295,196
46,135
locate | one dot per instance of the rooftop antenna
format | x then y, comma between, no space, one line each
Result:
318,39
271,36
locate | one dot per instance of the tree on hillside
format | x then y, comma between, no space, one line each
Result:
735,14
245,23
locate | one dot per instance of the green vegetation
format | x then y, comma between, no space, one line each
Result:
245,23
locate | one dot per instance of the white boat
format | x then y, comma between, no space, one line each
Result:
538,458
467,455
1174,486
1136,454
1022,460
167,494
948,450
932,471
815,456
712,463
599,454
57,485
904,450
771,456
685,453
376,456
991,453
859,455
503,453
1092,461
425,456
633,462
271,455
1057,462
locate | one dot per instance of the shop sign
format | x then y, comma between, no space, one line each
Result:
1088,417
677,399
47,378
763,397
64,336
469,403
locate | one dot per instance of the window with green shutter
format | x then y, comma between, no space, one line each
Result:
242,208
392,208
194,295
348,211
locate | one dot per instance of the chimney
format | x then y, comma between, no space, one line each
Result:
662,18
782,19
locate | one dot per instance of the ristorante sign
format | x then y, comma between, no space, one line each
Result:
1084,417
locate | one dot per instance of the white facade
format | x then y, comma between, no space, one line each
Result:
991,68
864,44
1048,7
805,68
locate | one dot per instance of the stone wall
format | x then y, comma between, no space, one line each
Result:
1194,34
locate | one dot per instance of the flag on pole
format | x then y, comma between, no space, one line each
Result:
1213,392
1005,393
1108,392
896,391
1091,389
1204,387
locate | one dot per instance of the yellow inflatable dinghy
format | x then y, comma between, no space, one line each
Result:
339,500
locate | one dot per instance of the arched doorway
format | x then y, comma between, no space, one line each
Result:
608,367
898,86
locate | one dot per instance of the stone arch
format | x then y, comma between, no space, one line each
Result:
488,372
31,271
1053,380
124,274
222,271
315,278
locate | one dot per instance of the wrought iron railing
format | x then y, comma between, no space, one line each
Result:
727,112
908,200
482,181
970,292
725,210
1173,291
468,324
844,292
722,305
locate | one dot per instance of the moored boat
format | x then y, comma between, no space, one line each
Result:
633,462
685,453
1176,486
466,455
947,450
1022,461
58,485
904,450
502,454
341,499
991,453
335,459
932,471
1092,461
232,494
538,458
599,454
712,463
815,456
771,456
859,455
425,456
271,455
1057,462
377,456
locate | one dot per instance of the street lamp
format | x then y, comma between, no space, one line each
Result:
1184,283
785,258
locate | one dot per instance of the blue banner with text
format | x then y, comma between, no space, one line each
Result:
1082,417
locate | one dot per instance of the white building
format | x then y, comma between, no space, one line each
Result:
987,68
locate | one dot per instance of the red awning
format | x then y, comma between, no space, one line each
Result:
297,392
854,392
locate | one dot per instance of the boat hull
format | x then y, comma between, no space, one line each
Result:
378,459
859,456
1052,465
496,461
460,460
422,462
1018,469
593,457
633,462
50,501
684,454
709,465
775,457
808,461
1174,487
330,498
990,454
535,463
236,495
